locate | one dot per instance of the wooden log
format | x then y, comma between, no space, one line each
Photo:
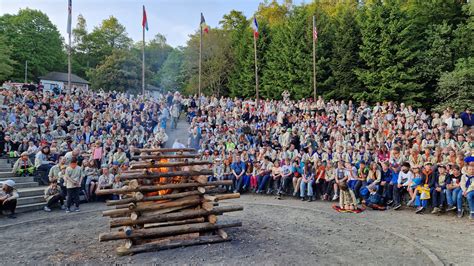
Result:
134,216
162,150
165,156
216,198
163,187
167,164
128,243
153,198
222,233
147,175
208,206
133,184
176,216
170,244
167,231
152,207
188,221
138,196
127,230
212,218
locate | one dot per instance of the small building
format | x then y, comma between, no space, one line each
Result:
59,80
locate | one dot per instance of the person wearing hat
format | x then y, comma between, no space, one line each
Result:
438,188
8,198
23,166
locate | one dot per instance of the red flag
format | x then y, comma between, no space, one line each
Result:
144,21
315,33
203,24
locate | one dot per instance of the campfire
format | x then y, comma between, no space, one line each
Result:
168,204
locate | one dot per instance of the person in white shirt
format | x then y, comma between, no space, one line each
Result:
405,177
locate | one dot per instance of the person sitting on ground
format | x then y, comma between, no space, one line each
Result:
347,200
8,198
23,166
53,195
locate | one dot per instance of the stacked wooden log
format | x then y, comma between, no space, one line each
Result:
167,202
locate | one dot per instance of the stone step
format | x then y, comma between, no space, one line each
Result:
6,174
30,200
6,169
19,179
32,191
30,207
26,185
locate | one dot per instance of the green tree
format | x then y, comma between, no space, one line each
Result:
6,63
120,71
389,54
31,36
81,58
170,76
109,36
456,88
345,49
216,63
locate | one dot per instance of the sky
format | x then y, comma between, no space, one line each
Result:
175,19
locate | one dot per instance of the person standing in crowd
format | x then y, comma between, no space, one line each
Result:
467,186
73,177
8,198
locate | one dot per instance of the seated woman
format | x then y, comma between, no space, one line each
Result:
8,198
53,195
105,180
92,177
119,157
23,166
43,164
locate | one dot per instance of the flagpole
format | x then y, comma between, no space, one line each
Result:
256,68
314,59
69,49
200,67
143,63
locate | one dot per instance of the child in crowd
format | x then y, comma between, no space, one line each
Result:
117,184
23,166
8,198
73,176
438,189
347,200
92,177
53,195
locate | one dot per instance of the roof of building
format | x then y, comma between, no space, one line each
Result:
59,76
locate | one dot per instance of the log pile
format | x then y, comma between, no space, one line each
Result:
167,202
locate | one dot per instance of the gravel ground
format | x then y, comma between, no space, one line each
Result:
274,231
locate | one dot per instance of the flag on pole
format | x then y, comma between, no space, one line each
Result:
203,24
69,16
144,21
315,32
255,27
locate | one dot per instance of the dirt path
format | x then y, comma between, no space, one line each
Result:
274,232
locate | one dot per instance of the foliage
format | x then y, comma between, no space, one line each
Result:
456,88
120,71
6,63
31,36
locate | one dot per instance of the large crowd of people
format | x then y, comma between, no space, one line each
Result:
380,156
